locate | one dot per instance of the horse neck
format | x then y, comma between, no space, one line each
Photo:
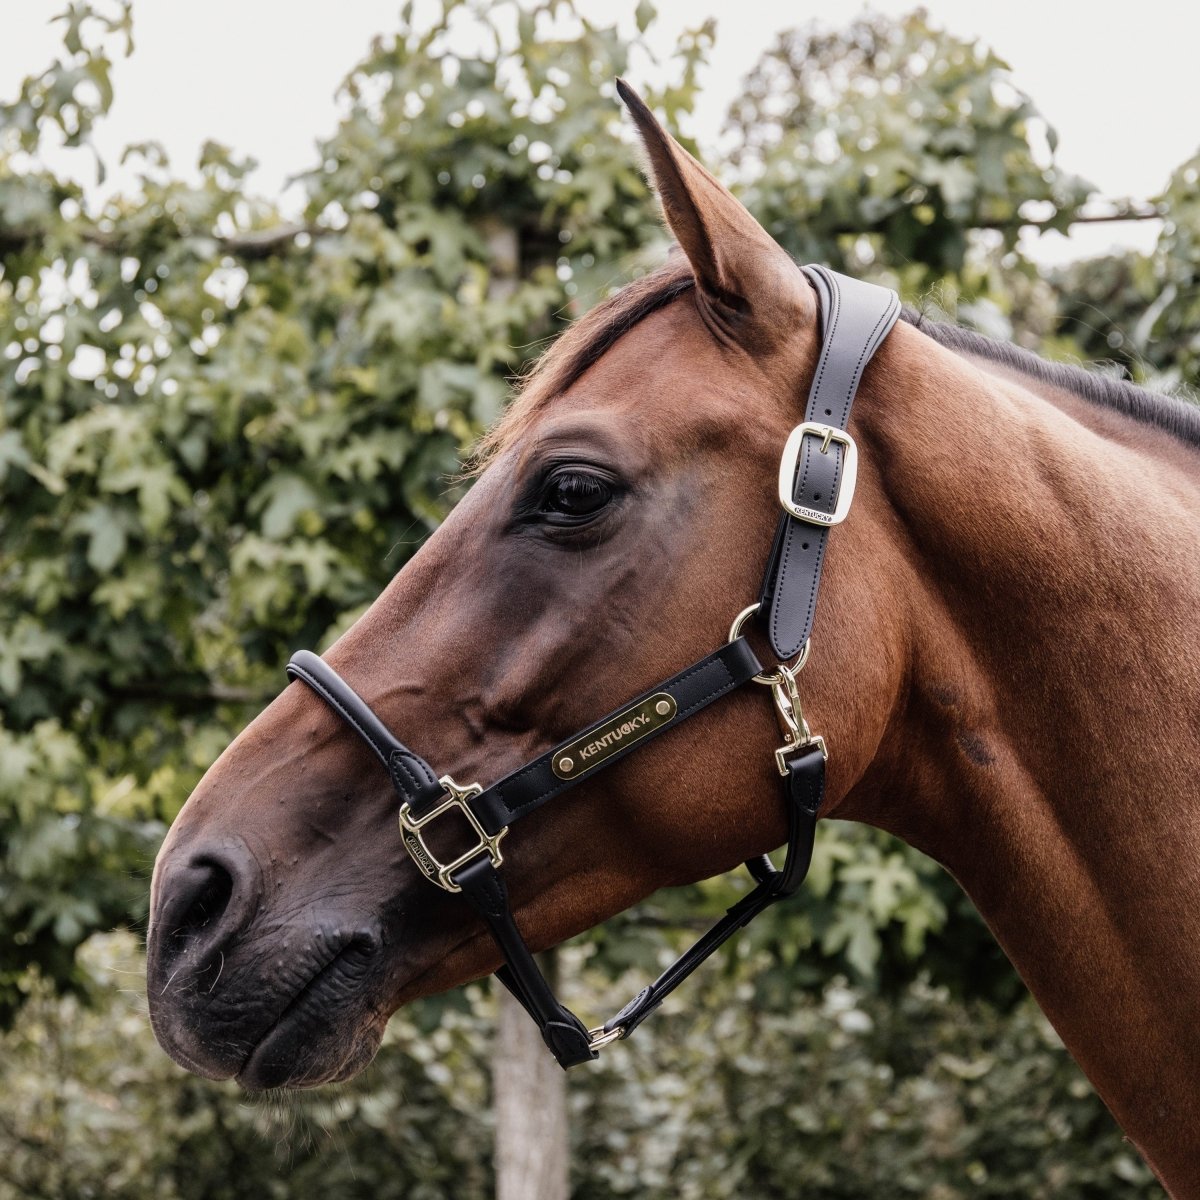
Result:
1049,729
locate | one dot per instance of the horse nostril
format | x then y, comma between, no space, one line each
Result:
203,904
210,897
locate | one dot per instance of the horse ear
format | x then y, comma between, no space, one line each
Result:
737,264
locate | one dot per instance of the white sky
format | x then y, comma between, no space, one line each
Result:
260,75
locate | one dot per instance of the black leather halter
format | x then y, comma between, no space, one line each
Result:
817,475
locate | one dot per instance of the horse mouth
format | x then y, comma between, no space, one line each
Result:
326,1032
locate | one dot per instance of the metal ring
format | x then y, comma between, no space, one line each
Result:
735,631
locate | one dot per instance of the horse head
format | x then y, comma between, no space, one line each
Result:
623,518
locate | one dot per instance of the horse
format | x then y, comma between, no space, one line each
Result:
1005,667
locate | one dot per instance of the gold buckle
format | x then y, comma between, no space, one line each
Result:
791,458
410,832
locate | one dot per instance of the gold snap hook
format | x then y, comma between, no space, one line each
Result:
796,733
600,1037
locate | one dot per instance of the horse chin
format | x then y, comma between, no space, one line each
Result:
289,1057
271,1017
328,1031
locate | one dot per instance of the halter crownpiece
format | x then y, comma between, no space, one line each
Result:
817,475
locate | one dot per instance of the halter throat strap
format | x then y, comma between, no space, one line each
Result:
816,484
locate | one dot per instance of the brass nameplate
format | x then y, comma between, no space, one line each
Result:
615,735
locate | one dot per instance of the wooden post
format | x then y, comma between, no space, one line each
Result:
530,1091
529,1088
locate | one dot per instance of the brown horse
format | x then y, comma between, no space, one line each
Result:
1005,664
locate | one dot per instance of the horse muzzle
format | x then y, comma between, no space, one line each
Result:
288,1001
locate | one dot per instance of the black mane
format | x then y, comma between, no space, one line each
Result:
1176,415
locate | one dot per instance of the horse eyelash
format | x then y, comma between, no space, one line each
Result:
533,495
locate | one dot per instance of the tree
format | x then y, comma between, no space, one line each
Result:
244,426
892,145
1140,312
835,1095
222,431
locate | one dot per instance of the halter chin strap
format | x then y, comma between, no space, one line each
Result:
816,485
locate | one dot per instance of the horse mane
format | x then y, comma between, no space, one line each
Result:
1176,414
587,340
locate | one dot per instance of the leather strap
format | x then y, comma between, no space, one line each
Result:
855,318
411,775
562,1030
529,787
804,790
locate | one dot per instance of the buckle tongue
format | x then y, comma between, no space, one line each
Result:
418,849
791,459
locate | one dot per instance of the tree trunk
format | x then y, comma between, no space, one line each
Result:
528,1086
530,1091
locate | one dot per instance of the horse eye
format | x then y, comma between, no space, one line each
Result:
576,494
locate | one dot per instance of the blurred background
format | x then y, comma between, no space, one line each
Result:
233,400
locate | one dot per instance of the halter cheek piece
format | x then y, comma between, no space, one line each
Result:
816,485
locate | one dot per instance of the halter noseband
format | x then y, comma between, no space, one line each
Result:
817,474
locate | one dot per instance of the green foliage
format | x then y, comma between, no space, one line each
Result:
1142,312
842,1095
892,144
70,95
221,433
93,1107
833,1095
1171,326
69,867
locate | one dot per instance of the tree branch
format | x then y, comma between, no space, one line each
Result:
263,243
1117,214
255,245
251,246
1148,212
214,693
